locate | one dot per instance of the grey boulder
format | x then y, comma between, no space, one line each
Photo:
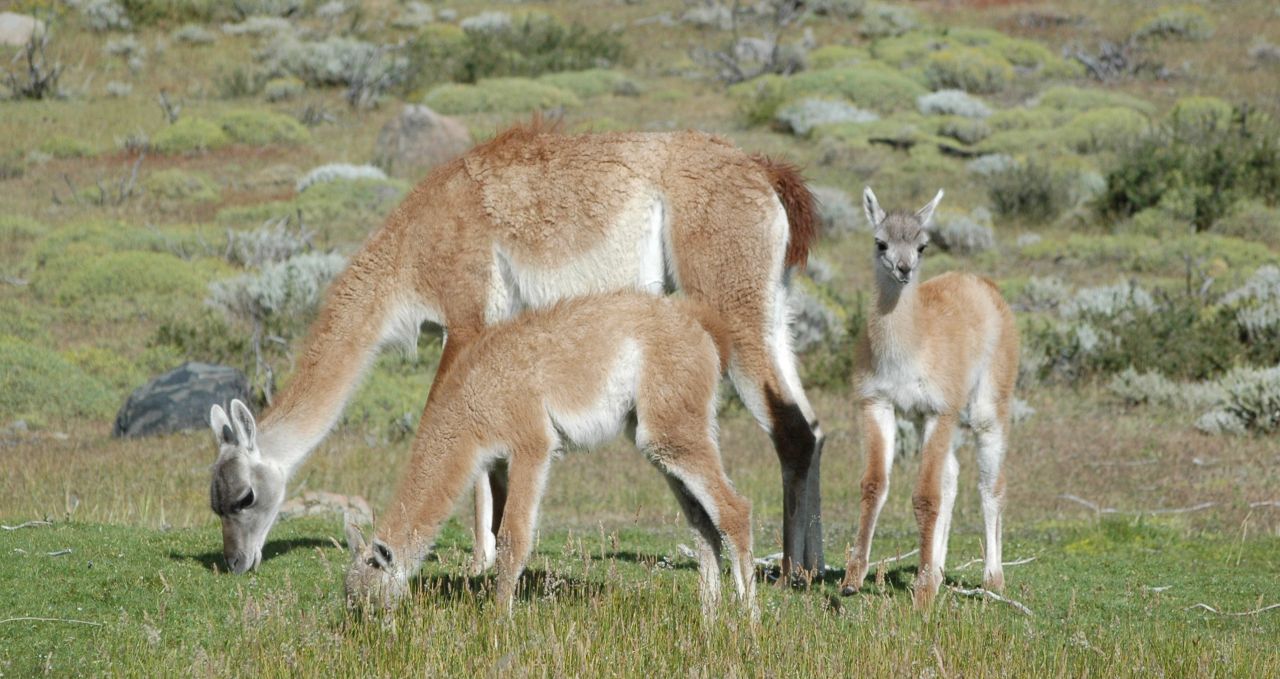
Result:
179,400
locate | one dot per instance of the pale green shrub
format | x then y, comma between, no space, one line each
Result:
1250,402
967,68
1183,22
339,172
280,89
587,84
62,146
800,117
179,185
837,56
270,243
499,95
879,21
190,135
38,384
953,103
260,128
1105,129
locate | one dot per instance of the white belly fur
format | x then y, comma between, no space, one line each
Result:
604,419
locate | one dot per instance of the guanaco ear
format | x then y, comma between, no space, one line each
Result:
246,428
875,215
926,213
221,425
355,539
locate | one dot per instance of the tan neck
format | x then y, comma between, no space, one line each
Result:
363,309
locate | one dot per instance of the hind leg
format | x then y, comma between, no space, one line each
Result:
490,500
709,544
933,501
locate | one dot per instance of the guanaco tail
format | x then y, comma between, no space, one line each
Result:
523,221
570,376
948,349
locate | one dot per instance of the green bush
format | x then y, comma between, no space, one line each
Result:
281,89
586,84
1252,220
1105,129
871,86
1079,100
1026,54
1028,190
967,68
1147,254
148,12
67,247
17,234
190,135
1200,112
837,56
180,186
38,384
1184,22
1020,118
345,208
1031,141
24,320
962,129
879,21
1208,166
499,95
128,276
260,128
62,146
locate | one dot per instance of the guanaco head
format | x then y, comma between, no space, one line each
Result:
377,579
247,490
900,237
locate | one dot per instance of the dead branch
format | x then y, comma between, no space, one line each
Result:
60,552
66,620
988,594
1211,609
28,524
1098,509
891,559
1264,503
1019,562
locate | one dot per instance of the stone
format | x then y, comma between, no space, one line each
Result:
16,29
179,400
320,503
417,140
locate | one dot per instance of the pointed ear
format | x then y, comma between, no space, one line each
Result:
246,428
355,539
382,555
926,213
221,425
875,215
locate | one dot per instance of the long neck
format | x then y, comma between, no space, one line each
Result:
364,307
893,321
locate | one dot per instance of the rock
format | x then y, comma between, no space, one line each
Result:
179,400
319,503
16,29
418,140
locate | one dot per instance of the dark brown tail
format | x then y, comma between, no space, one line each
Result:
802,210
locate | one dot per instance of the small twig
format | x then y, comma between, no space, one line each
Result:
14,280
891,559
1158,589
1264,503
1211,609
1019,562
1123,463
984,593
1179,510
1097,509
28,524
67,620
60,552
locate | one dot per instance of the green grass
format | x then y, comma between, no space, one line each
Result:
1109,599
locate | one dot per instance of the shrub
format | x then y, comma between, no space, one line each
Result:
965,130
147,12
1020,118
587,84
837,56
104,15
268,244
846,9
504,95
334,61
967,68
1043,294
952,103
280,298
1184,22
800,117
177,185
1079,100
1105,129
963,235
1250,402
1256,306
838,213
1211,167
1151,388
1028,190
259,26
872,86
1025,54
259,128
62,146
880,21
118,89
194,34
531,46
344,208
1196,112
1253,220
190,135
120,276
339,172
992,163
36,383
280,89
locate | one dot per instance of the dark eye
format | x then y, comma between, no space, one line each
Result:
881,245
921,248
244,502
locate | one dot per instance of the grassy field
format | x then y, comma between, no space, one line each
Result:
1128,522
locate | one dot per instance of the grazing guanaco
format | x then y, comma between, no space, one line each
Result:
946,348
523,221
569,376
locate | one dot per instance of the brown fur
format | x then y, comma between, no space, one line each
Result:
801,206
503,396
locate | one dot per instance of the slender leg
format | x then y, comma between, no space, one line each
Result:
529,466
709,545
879,428
933,498
991,449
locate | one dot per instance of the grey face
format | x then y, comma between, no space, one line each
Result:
900,238
246,491
376,580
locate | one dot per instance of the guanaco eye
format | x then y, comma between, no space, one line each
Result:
881,245
244,502
921,248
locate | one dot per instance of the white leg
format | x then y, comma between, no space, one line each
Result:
880,430
484,551
991,448
950,473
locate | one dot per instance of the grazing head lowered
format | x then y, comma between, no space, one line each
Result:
900,237
377,580
247,490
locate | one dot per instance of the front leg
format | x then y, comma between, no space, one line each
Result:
879,426
491,500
